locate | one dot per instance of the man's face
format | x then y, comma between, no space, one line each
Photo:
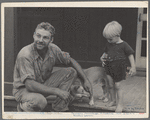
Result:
42,38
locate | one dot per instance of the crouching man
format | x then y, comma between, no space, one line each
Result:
33,77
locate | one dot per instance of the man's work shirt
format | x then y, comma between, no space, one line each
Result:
29,64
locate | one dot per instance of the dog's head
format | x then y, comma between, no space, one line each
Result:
79,90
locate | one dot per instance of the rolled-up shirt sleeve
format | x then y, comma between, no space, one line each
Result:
61,56
25,69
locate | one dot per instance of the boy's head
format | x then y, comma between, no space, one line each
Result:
112,29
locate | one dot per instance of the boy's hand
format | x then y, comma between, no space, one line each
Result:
103,58
132,71
103,63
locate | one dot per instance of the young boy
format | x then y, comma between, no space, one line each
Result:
114,61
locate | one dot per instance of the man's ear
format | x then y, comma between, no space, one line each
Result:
34,35
52,39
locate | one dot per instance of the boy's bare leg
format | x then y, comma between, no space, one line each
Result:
112,92
119,97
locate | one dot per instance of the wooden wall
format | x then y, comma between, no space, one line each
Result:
8,44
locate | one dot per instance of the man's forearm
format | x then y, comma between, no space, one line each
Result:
34,86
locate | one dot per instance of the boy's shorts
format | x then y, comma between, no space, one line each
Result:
116,69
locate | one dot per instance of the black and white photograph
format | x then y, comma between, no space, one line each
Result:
74,60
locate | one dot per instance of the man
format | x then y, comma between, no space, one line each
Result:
33,77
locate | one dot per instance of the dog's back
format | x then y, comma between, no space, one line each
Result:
95,73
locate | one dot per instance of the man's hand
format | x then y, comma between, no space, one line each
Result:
64,95
88,87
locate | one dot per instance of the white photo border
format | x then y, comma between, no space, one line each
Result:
78,115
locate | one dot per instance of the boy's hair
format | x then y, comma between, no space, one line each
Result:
47,26
112,29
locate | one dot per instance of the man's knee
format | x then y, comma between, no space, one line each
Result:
42,101
36,102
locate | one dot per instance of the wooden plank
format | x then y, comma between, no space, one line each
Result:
10,103
142,100
143,105
9,97
9,37
129,91
135,105
134,95
8,89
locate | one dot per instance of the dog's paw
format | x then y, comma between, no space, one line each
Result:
91,102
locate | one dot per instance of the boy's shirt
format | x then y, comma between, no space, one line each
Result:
117,51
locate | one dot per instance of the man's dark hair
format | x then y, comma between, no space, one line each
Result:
47,26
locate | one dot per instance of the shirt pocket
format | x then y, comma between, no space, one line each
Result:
47,68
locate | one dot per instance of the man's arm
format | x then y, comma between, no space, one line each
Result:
64,58
86,83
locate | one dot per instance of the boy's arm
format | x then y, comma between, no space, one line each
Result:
132,62
103,58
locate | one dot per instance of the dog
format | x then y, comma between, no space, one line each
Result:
95,75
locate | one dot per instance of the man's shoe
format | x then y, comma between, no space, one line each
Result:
19,108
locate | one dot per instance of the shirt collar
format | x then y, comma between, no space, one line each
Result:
48,54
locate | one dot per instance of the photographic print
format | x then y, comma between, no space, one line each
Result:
74,60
